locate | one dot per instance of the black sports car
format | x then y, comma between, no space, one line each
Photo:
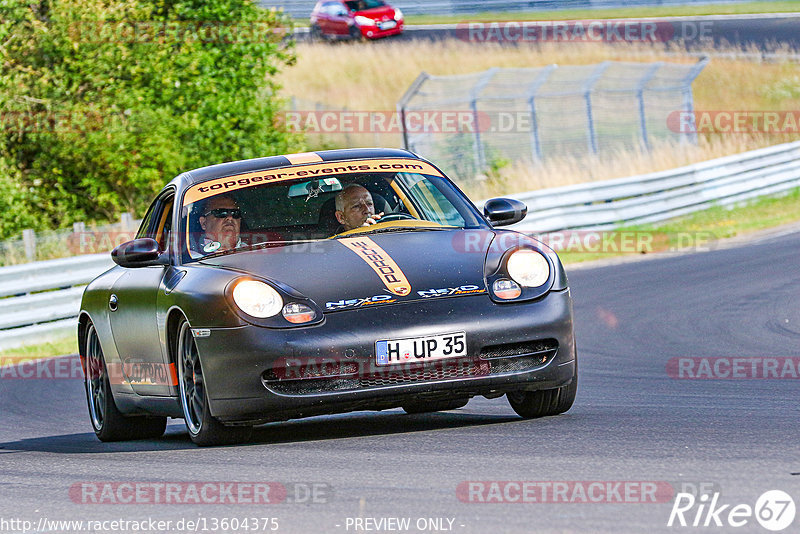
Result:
318,283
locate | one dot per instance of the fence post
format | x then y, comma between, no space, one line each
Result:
536,149
480,155
405,99
648,75
587,95
688,99
29,242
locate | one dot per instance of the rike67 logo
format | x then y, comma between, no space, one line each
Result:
774,510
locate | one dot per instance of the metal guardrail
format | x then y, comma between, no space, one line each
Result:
663,195
42,299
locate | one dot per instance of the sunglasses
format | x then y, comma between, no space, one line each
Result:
222,213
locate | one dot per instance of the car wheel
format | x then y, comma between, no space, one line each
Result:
204,429
532,404
108,423
435,406
315,33
355,33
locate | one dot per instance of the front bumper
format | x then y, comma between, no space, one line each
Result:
373,32
240,364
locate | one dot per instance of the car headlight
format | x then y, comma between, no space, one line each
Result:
398,15
257,299
364,21
528,268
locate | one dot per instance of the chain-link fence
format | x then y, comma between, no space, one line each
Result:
531,114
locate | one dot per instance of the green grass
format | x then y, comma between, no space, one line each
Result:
58,347
699,230
627,12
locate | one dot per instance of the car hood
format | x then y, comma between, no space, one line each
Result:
377,13
374,269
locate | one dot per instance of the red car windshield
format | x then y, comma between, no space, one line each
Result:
361,5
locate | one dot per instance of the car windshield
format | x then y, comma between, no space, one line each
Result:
319,201
361,5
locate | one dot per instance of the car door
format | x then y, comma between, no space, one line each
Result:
340,17
324,18
134,314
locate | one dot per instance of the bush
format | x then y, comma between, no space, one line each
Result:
105,101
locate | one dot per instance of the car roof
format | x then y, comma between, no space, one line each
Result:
233,168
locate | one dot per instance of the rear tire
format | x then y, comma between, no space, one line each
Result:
533,404
108,422
204,429
435,406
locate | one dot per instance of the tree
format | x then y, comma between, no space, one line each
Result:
105,101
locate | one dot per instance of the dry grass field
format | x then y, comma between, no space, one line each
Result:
373,76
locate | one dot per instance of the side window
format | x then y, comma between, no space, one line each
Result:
145,229
164,232
157,224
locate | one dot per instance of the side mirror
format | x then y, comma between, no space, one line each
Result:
504,211
137,253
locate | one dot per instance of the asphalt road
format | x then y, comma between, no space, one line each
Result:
632,422
766,32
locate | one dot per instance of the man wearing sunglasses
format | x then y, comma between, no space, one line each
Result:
221,223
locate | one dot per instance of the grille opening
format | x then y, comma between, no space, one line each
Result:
495,359
544,348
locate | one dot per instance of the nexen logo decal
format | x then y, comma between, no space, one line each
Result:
449,291
355,303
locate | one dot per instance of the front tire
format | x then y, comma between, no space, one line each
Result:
315,34
108,422
355,34
204,429
533,404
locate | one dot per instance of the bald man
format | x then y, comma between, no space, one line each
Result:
355,208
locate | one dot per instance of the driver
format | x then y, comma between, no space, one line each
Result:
221,223
355,208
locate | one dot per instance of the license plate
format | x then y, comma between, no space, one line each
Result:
387,25
421,349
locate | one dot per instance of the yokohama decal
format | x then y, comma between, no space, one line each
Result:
383,265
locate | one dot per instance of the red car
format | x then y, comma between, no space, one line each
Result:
355,19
